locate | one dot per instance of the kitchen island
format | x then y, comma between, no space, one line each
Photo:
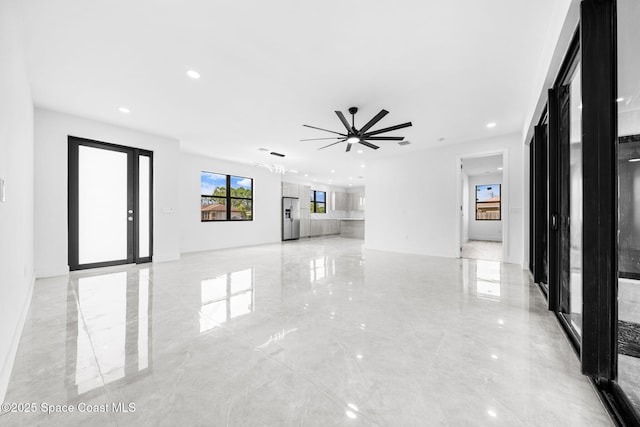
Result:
352,228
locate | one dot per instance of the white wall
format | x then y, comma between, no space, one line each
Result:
51,132
413,200
465,208
16,169
200,236
484,230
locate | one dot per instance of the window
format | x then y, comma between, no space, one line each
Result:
318,201
225,197
488,202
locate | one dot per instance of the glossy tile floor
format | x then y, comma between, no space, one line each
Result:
482,249
316,332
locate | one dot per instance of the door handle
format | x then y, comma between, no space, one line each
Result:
130,218
130,211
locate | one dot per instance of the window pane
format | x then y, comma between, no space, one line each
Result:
312,207
488,202
320,196
241,209
241,187
102,205
320,208
213,208
213,184
144,203
575,204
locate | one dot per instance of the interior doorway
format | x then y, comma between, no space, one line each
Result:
482,212
110,199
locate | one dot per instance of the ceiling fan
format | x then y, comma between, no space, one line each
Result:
360,136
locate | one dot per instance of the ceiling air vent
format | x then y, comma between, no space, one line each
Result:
273,153
404,142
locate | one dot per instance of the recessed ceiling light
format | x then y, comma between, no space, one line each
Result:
306,174
350,185
500,168
359,151
350,177
363,166
193,74
491,125
620,99
333,171
124,110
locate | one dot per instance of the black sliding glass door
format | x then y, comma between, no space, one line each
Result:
628,163
565,195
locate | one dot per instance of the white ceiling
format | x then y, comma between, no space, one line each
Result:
268,67
482,165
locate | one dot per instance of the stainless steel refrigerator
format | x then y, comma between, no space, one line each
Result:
290,218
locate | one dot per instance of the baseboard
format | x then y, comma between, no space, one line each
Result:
52,272
166,257
486,238
7,366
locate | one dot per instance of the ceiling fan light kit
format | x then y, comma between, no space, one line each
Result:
359,136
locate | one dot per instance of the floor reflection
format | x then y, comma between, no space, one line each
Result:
483,278
321,267
226,297
114,308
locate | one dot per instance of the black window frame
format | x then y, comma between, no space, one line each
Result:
499,203
228,198
314,201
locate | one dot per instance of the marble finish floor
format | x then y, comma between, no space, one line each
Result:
482,249
316,332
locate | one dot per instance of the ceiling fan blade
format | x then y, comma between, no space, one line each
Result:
373,121
375,147
384,138
344,121
326,130
348,146
319,139
333,143
389,129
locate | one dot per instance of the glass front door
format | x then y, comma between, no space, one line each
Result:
110,203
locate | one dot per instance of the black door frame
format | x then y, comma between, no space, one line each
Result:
595,43
133,227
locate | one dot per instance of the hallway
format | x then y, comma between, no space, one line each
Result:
315,332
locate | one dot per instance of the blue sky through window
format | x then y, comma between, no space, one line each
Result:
209,181
238,181
485,192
